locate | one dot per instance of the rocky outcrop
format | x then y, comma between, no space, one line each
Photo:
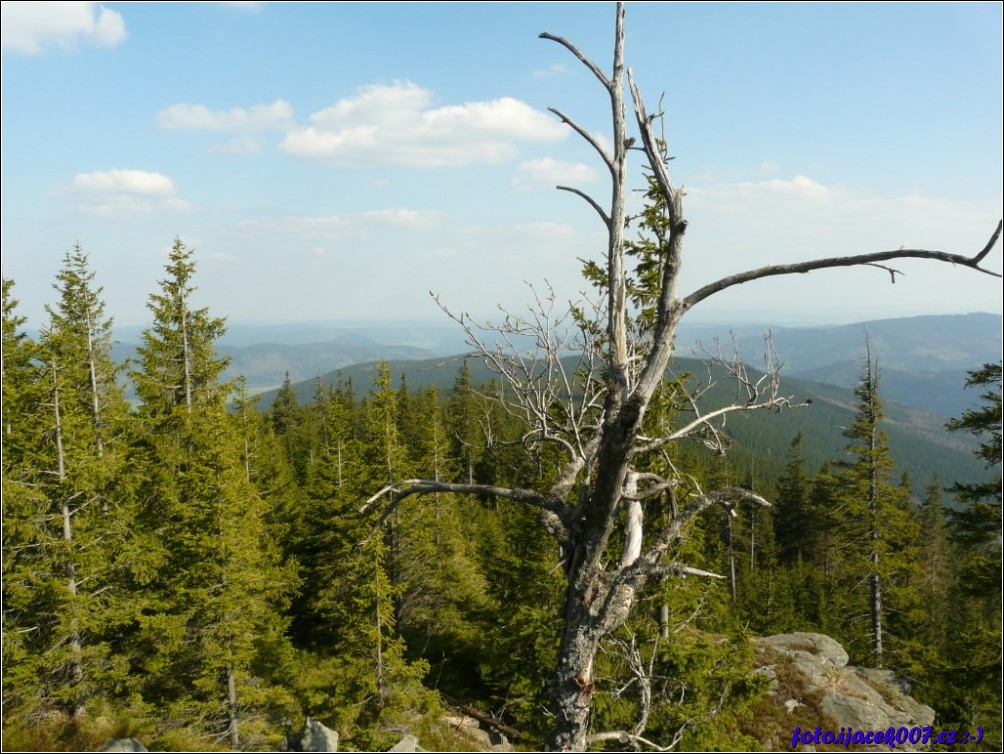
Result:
811,685
123,744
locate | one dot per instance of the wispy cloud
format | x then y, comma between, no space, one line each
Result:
123,191
779,220
277,116
529,237
397,125
548,172
36,27
239,145
339,227
252,6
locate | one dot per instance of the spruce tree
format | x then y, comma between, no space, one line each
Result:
971,681
877,526
355,672
443,593
791,515
79,566
215,607
976,525
26,533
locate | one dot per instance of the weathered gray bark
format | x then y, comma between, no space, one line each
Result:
186,359
600,429
74,642
92,369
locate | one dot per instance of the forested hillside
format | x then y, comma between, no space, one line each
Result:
200,573
921,444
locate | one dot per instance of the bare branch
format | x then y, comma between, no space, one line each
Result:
407,487
588,137
658,485
679,569
582,58
891,270
651,147
482,717
622,736
592,202
552,510
858,260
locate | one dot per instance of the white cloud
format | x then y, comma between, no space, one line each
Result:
397,125
239,145
800,185
253,6
555,69
548,172
120,191
277,116
339,227
125,181
31,28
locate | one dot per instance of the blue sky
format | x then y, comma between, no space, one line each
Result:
339,161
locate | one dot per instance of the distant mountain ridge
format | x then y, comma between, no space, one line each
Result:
922,343
922,360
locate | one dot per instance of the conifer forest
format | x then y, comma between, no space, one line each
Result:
575,549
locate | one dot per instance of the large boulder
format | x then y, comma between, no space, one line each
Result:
811,685
318,737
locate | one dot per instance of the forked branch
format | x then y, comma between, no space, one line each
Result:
857,260
553,511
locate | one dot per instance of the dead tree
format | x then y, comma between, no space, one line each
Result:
595,412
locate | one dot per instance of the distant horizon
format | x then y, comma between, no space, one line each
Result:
446,324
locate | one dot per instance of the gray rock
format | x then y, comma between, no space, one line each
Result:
831,692
792,704
487,739
123,744
818,648
408,743
318,737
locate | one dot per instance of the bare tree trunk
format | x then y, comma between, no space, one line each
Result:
95,393
235,739
186,359
573,686
76,671
732,559
380,683
875,581
876,610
